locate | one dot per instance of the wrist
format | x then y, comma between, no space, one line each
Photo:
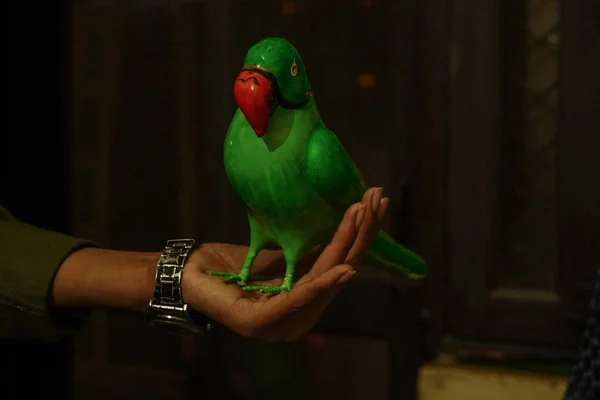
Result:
198,289
191,277
169,306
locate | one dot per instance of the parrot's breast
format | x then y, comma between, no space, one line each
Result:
269,178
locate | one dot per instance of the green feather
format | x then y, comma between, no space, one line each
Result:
297,180
387,253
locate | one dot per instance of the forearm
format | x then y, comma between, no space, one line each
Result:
101,278
44,273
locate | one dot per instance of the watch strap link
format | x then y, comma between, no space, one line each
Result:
167,306
170,267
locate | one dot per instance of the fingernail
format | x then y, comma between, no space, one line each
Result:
383,206
360,216
378,193
344,278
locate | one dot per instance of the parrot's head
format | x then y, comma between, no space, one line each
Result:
273,75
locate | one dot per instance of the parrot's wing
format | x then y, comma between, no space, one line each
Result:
331,171
333,174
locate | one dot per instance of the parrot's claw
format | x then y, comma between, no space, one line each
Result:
268,289
229,277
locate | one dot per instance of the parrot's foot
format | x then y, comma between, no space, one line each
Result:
269,289
241,280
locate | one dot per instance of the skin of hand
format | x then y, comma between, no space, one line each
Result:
121,279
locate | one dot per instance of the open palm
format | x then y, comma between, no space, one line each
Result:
288,315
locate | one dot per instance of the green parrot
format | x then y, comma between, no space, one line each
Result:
290,170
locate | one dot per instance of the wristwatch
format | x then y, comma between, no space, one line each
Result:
167,307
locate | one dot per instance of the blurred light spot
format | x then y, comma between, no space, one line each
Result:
553,39
366,80
288,7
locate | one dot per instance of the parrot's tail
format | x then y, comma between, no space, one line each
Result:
386,252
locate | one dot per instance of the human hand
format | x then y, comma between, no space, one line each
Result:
286,316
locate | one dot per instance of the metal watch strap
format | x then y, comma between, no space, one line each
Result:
167,306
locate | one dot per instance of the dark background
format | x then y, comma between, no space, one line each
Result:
478,117
36,167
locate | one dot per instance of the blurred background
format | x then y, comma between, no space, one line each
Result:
478,117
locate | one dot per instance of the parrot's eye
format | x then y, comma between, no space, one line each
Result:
294,69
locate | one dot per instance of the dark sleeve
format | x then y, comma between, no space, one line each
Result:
29,260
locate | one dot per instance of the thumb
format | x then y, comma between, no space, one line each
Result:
313,288
307,291
326,295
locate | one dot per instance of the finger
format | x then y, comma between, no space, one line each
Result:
337,250
368,229
308,261
278,307
296,324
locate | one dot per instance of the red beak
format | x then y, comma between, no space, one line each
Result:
252,93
